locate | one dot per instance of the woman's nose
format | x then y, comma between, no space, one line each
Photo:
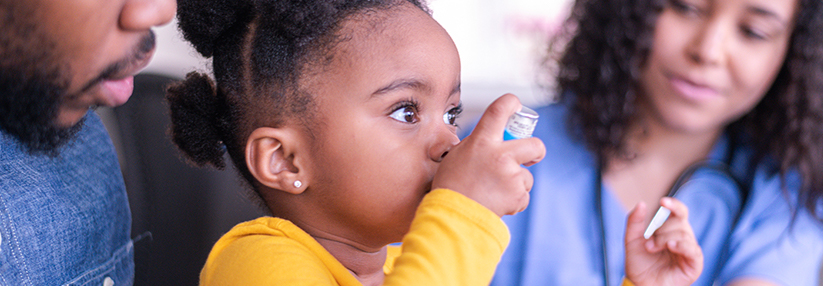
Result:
706,46
139,15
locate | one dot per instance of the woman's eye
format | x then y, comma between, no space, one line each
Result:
451,116
753,34
406,114
684,8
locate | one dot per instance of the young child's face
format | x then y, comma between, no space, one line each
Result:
386,105
712,60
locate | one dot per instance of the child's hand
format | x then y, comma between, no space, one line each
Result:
487,169
671,256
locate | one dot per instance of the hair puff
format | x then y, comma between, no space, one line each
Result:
203,21
195,112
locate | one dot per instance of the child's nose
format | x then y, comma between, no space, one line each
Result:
445,139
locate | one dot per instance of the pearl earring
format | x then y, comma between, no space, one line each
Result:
298,184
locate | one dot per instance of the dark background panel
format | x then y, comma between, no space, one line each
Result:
178,210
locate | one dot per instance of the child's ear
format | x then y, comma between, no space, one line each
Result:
270,157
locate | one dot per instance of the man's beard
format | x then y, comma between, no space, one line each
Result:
32,84
29,106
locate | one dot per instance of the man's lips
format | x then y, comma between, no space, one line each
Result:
132,67
119,87
118,91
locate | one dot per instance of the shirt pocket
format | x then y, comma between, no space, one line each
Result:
117,271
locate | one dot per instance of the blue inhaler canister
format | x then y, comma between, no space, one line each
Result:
521,124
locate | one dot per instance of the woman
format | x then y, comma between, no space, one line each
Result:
652,88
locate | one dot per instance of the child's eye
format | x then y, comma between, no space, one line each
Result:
405,113
451,116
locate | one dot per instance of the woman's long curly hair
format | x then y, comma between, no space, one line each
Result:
604,45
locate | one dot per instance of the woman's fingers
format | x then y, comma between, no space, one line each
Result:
636,223
676,226
679,210
660,239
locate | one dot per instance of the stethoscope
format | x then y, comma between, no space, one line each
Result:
721,167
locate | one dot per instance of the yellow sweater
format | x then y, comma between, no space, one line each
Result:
453,240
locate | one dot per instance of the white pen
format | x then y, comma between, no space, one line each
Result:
657,221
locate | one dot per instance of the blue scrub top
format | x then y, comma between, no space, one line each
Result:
557,240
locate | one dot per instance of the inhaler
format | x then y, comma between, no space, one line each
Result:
521,124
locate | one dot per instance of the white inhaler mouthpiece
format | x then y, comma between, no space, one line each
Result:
657,221
521,124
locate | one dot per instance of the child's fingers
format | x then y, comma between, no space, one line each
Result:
528,179
493,121
521,200
527,151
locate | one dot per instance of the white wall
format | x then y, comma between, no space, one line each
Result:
174,56
500,44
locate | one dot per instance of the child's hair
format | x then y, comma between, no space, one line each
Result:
259,49
611,40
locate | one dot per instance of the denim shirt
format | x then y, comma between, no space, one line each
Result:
64,220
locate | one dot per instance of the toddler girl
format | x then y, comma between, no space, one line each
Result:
341,116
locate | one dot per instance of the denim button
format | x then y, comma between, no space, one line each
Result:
108,282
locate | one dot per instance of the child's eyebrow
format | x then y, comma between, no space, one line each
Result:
411,84
401,84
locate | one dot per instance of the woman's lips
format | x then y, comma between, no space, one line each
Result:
691,90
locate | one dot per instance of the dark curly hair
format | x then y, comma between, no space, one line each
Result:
259,51
605,43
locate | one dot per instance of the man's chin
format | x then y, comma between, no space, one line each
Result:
47,140
30,106
32,118
68,118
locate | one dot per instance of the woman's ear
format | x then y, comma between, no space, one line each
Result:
270,157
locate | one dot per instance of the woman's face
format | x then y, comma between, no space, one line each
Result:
386,105
711,61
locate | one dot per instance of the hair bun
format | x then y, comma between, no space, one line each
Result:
202,21
196,120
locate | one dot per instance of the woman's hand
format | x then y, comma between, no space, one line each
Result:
487,169
669,257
